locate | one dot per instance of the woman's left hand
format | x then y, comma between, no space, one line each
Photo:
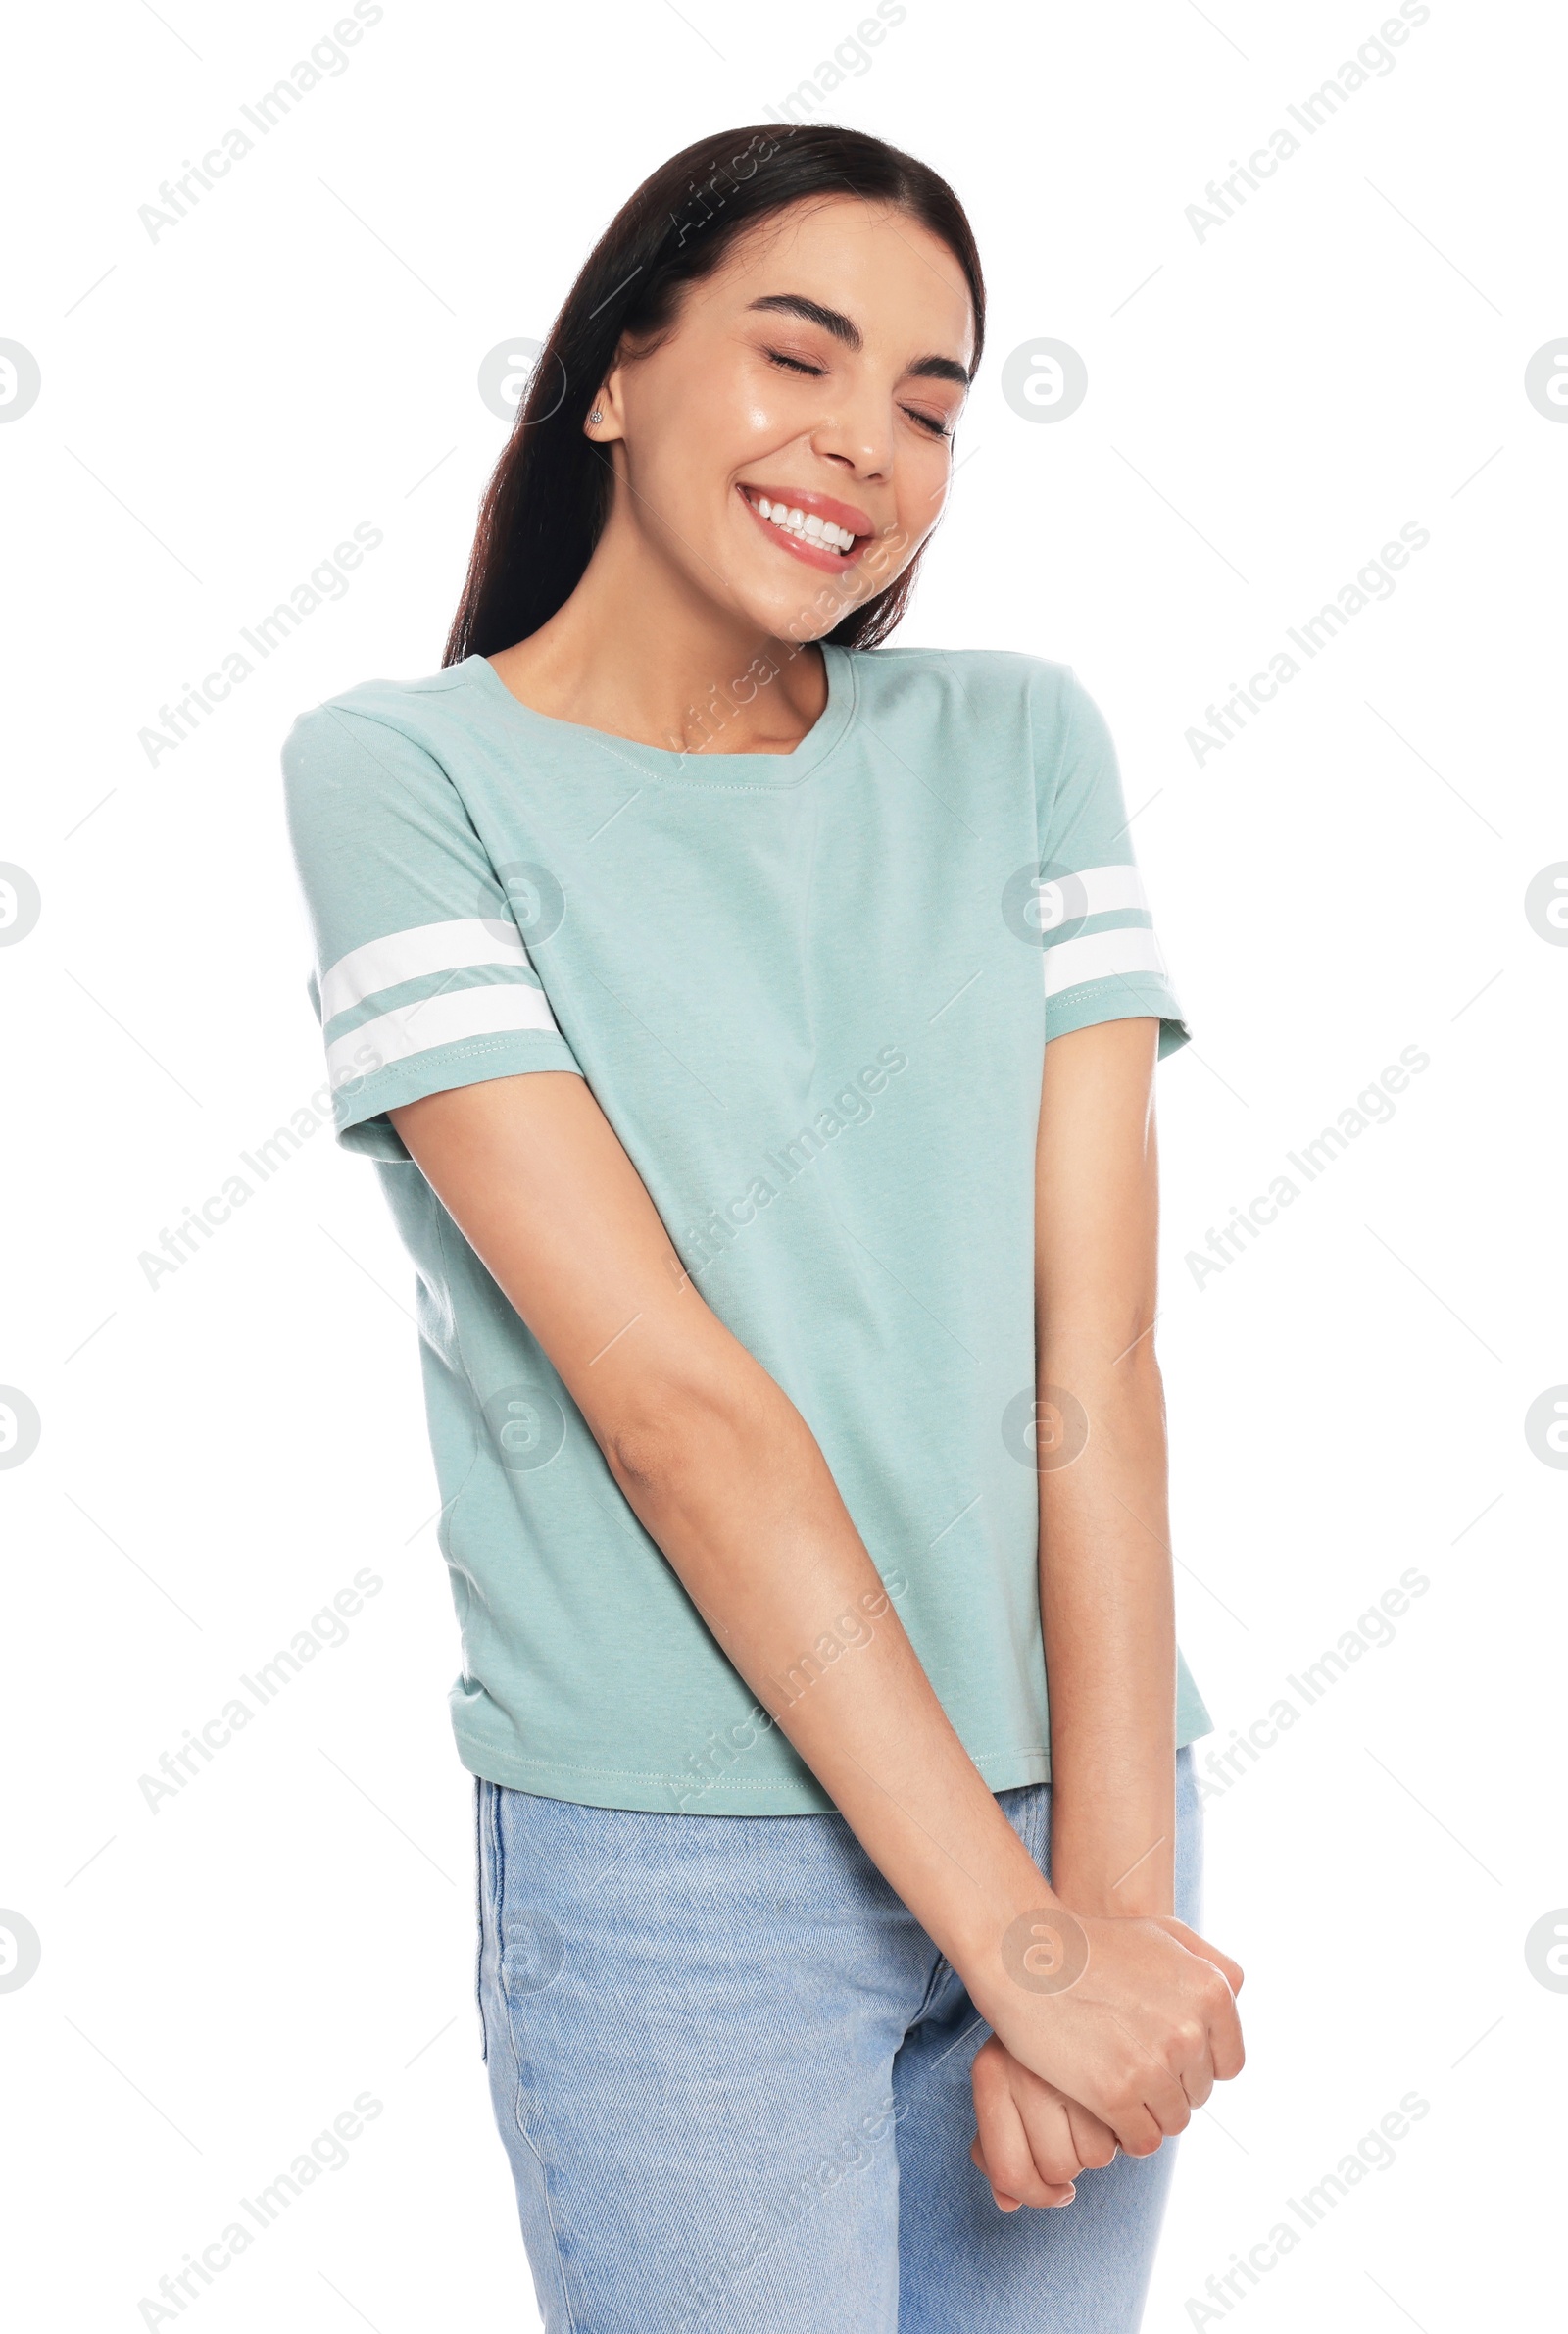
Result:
1031,2140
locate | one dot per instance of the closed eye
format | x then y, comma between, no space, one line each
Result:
816,372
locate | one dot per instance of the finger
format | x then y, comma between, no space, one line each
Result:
1225,2051
1144,2102
1004,2154
1226,2047
1009,2203
1196,2081
1230,1971
1186,1935
1168,2103
1094,2142
998,2196
1119,2106
1048,2127
1136,2132
1003,2203
1002,2150
1191,2057
1008,2096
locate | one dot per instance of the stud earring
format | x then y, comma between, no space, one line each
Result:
596,415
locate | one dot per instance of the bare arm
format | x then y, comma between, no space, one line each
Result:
727,1478
1105,1593
724,1474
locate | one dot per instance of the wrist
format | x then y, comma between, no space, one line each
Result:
1113,1852
1094,1894
1020,1919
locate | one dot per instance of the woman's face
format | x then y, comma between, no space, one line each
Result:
821,372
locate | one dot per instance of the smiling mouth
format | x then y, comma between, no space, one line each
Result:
810,526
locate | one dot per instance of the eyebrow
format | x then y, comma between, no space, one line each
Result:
844,328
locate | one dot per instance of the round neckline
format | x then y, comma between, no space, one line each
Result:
748,771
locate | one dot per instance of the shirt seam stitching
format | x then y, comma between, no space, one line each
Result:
703,785
640,1774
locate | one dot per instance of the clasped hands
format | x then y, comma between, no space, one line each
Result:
1117,2056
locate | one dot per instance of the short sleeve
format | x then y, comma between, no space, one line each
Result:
1101,958
422,981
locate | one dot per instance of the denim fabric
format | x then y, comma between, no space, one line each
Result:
732,2075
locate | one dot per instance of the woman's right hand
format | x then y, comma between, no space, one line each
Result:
1135,2019
1031,2140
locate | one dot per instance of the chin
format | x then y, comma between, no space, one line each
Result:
790,619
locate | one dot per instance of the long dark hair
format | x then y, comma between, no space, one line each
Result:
548,500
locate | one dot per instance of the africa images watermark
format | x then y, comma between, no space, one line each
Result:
851,1105
1373,2152
177,1247
1315,1680
852,2152
827,608
328,60
507,373
851,60
1046,1951
328,2152
1372,582
328,1627
1372,1107
726,1746
328,580
1373,59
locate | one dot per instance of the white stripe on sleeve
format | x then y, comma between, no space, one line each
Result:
1102,956
406,956
1092,891
437,1020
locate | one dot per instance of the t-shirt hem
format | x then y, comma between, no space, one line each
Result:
651,1793
360,1107
646,1793
1119,997
1192,1720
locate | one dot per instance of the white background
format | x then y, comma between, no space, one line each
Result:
220,1454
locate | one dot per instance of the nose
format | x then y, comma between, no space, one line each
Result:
859,436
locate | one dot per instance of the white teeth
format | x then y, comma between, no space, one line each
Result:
813,530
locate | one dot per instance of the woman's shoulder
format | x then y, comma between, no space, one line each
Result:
407,705
984,678
382,742
414,734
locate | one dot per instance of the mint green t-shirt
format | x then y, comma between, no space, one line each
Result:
811,993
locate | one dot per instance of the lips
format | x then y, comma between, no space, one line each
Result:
825,507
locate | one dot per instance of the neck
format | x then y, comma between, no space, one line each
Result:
636,652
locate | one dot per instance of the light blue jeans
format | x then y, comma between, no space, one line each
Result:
732,2075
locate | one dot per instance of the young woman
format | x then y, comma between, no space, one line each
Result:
755,1029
